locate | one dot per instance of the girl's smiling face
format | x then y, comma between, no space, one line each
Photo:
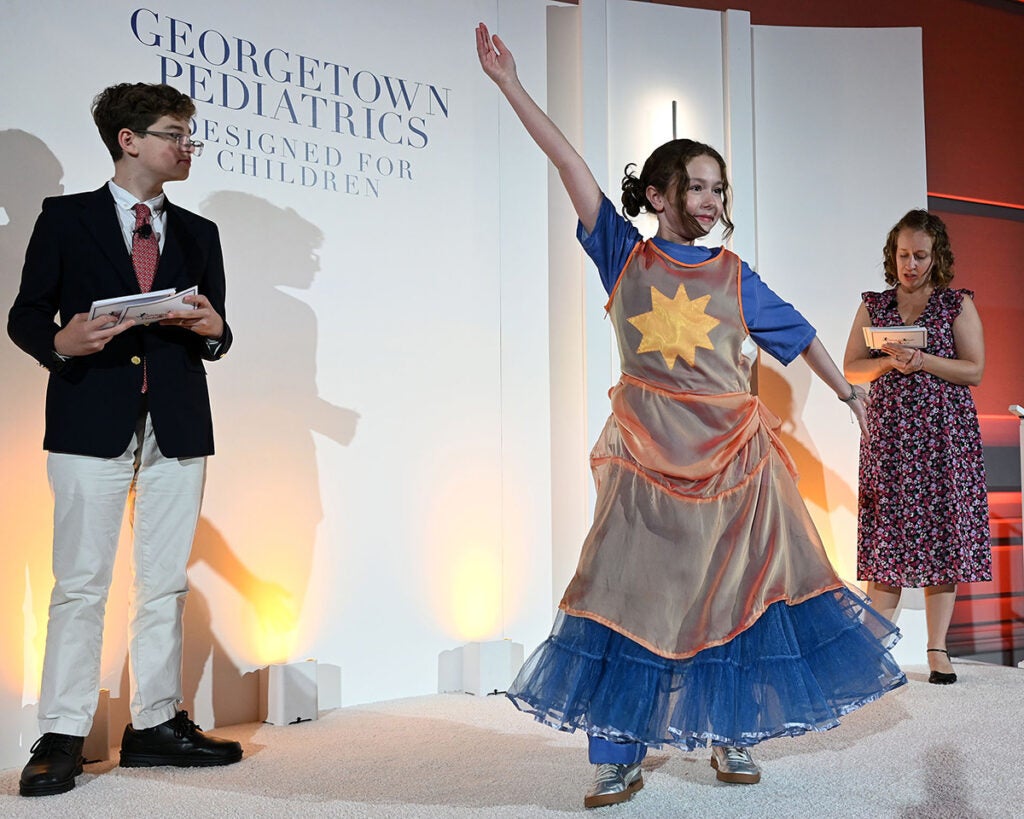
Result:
704,203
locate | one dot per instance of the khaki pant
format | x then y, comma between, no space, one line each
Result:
89,501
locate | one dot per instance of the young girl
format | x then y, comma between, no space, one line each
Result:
704,609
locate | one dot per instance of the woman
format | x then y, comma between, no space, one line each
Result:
923,517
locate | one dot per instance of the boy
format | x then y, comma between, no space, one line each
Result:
127,413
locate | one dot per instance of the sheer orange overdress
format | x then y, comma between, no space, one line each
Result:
699,526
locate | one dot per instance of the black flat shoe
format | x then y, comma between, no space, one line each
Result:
56,761
940,677
178,742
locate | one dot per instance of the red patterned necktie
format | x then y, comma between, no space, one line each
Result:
145,257
145,248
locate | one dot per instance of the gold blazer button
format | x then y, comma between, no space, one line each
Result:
136,360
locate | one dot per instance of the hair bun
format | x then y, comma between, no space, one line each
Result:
634,199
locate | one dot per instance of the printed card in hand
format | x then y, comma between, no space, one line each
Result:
144,308
877,337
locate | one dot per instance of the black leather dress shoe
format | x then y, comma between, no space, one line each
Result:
179,742
56,761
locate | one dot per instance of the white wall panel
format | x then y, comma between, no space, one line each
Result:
839,123
380,491
839,151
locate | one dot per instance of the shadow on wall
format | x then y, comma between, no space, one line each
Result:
252,558
822,488
215,691
263,491
29,172
233,696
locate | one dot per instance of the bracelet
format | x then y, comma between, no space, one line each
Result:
853,395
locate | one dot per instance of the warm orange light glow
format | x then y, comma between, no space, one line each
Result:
252,564
277,635
463,557
27,514
476,594
35,643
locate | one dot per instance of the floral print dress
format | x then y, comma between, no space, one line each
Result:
923,508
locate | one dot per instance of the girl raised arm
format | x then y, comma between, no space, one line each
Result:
498,64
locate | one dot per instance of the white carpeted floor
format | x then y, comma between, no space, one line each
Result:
922,751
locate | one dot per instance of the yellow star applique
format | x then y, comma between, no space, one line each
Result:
675,327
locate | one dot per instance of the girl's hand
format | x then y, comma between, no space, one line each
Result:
858,407
495,58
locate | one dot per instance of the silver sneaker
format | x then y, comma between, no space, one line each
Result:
613,783
734,765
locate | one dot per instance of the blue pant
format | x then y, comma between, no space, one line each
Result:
621,753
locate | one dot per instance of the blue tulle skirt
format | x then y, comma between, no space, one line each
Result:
796,669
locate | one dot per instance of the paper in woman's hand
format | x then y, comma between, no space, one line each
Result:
912,336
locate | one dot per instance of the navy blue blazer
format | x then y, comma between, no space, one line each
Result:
77,254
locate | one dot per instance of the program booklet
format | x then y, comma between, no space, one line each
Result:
145,308
911,336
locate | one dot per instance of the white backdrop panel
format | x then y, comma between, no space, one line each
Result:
658,55
839,153
384,414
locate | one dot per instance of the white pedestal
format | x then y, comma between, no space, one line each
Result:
328,686
288,693
479,668
449,671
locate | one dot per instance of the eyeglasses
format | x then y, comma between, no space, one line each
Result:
185,142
